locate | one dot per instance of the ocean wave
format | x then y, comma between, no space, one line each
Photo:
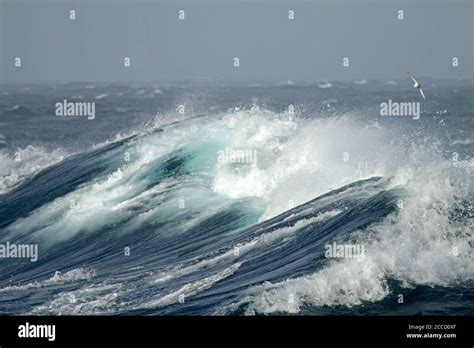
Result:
241,236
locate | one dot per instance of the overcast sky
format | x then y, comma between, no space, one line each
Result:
161,47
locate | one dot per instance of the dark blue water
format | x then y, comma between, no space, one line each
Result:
137,212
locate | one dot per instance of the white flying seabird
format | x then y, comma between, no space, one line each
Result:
416,84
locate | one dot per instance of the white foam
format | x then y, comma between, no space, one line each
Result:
346,283
325,85
74,275
298,160
89,300
102,96
191,288
25,162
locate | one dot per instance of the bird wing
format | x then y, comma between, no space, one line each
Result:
422,94
413,79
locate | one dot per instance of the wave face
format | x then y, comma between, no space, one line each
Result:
175,220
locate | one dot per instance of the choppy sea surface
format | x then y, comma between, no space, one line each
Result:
142,211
